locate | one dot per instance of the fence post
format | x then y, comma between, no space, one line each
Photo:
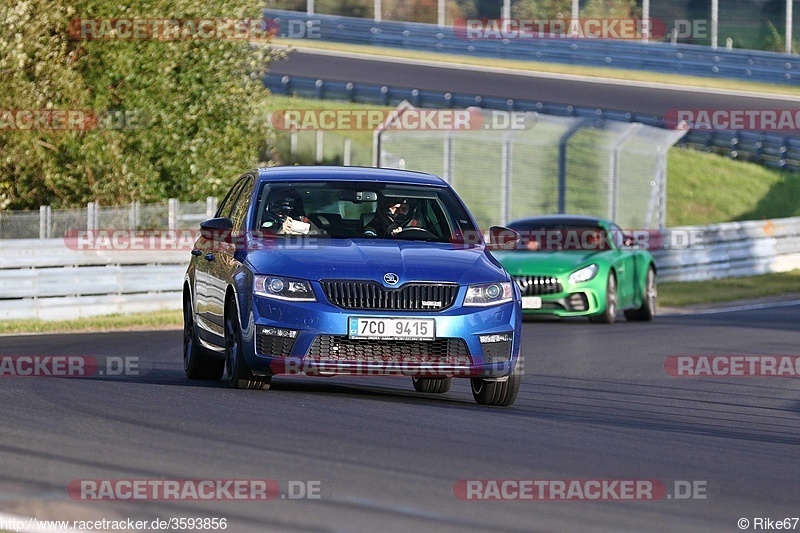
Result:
174,210
293,146
211,206
562,164
505,179
45,222
347,151
320,147
92,216
448,157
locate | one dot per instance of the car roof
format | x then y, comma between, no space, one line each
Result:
335,173
567,220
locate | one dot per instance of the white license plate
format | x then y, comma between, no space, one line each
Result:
416,329
531,302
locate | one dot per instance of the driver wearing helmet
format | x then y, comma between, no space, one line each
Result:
285,214
392,217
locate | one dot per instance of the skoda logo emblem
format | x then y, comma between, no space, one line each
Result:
390,278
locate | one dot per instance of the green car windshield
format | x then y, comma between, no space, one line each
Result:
562,238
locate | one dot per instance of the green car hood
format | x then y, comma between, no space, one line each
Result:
543,263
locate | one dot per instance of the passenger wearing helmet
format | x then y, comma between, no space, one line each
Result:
392,217
285,214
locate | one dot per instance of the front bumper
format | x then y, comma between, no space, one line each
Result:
311,338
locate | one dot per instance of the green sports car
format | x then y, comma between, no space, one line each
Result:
568,265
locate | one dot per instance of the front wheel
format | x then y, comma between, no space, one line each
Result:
499,393
609,314
237,374
196,363
648,309
432,385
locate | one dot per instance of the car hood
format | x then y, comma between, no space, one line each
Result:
543,263
371,259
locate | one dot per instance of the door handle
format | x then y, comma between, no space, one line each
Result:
196,252
209,257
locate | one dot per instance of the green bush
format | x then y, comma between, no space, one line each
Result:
198,104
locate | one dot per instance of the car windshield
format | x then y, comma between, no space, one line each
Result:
550,238
347,210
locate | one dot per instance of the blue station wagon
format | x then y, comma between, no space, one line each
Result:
350,271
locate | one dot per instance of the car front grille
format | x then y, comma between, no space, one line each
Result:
368,295
537,285
342,348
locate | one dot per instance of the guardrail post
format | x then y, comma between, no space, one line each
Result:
174,210
318,86
347,151
211,206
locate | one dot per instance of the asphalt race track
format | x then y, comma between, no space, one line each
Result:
595,403
544,88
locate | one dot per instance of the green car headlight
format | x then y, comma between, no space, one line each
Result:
584,274
488,294
283,288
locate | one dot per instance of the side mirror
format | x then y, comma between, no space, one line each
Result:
501,238
216,229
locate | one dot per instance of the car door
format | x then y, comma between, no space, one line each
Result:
223,263
205,287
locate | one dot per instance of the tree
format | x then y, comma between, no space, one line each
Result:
165,118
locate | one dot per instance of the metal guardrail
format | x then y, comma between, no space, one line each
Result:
46,279
694,60
773,150
730,249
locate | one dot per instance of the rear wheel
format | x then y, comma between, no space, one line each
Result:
648,309
432,385
237,374
196,363
609,314
500,393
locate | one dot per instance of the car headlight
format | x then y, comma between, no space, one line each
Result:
488,294
282,288
584,274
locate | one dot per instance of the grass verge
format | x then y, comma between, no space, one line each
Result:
136,321
554,68
685,293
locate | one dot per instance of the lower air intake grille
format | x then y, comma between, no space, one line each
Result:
341,348
273,345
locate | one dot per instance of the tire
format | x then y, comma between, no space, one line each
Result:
609,314
237,374
432,385
648,309
498,393
197,363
